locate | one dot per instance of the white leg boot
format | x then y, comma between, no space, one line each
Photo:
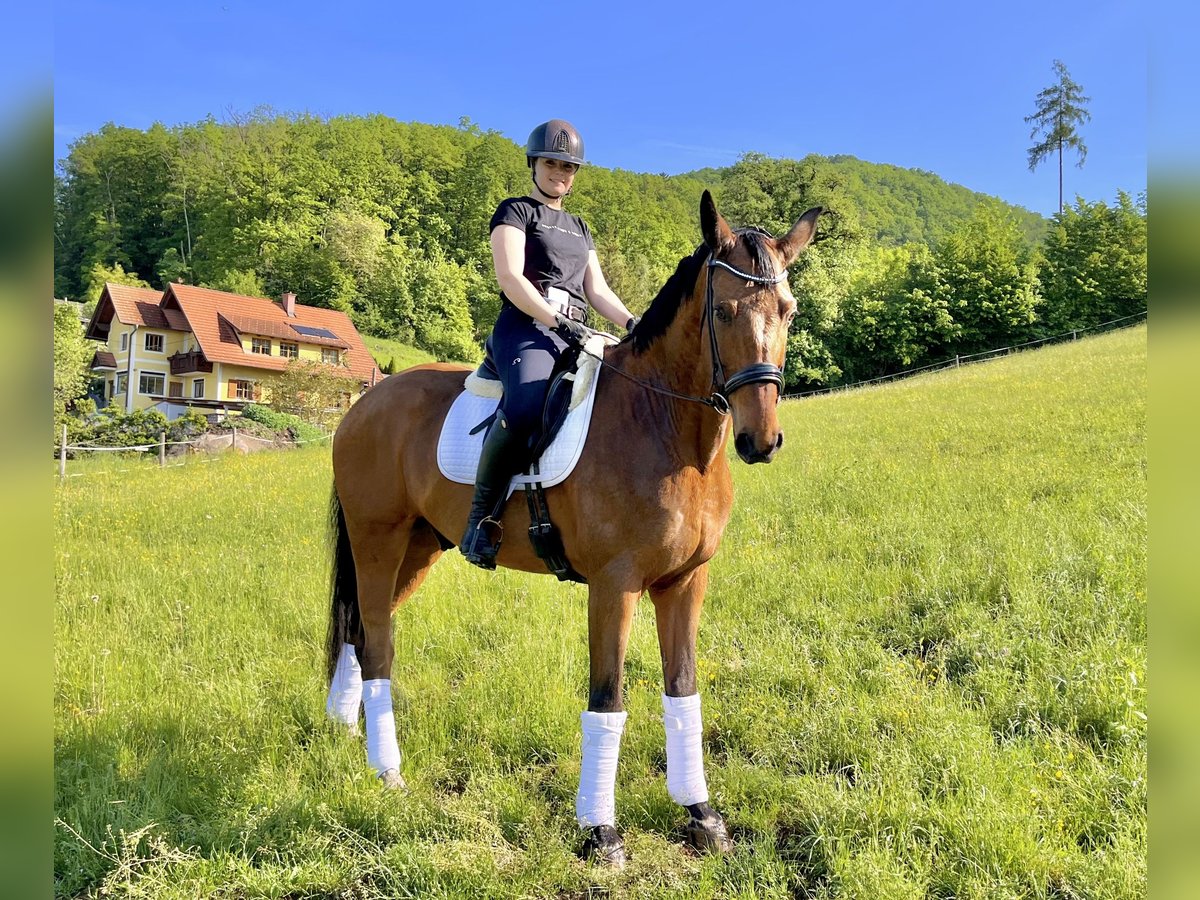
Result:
345,690
383,751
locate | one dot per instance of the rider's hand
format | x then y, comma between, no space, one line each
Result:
574,333
632,324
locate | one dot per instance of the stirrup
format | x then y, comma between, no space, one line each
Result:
479,549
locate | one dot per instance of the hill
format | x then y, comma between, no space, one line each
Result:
897,206
922,658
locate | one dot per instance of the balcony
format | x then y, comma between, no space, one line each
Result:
185,363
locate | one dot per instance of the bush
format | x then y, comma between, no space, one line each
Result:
297,428
111,427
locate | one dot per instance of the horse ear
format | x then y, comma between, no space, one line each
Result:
799,237
717,233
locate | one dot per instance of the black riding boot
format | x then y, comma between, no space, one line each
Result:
500,459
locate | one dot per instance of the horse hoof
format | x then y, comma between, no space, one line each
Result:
604,846
392,781
708,834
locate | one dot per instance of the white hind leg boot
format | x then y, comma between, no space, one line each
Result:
595,802
383,752
345,690
685,757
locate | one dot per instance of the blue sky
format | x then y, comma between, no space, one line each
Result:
664,87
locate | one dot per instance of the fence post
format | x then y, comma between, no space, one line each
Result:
162,448
62,455
956,360
233,436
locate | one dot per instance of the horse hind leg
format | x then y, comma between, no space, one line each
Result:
379,552
422,550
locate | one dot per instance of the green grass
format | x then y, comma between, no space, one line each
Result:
922,659
385,350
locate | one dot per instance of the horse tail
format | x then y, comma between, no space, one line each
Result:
344,621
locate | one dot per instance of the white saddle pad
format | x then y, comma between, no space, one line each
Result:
458,450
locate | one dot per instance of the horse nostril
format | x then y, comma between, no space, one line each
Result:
779,441
743,445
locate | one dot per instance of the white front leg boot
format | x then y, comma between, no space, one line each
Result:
345,690
685,756
595,802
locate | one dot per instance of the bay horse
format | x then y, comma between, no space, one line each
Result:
644,510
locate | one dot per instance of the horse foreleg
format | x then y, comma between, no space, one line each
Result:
677,618
610,613
378,555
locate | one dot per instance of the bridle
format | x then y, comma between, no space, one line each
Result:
755,373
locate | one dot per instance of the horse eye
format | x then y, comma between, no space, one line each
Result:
723,314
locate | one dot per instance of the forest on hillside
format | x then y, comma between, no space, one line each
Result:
388,221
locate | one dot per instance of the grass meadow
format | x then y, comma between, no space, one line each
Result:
405,355
923,663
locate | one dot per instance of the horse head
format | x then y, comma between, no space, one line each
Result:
748,308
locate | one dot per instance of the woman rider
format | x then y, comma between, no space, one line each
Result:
549,275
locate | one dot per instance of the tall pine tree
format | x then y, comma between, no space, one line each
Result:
1060,108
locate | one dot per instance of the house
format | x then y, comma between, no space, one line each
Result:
196,347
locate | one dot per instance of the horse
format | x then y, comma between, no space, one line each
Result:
643,511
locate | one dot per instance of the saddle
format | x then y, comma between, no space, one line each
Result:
554,449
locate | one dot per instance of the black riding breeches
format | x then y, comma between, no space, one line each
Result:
524,354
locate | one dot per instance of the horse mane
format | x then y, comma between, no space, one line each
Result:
666,303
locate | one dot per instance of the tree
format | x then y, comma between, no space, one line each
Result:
893,318
315,392
1060,108
100,274
1094,267
72,354
987,278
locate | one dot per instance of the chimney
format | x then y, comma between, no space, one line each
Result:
288,302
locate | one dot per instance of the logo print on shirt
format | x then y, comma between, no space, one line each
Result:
563,230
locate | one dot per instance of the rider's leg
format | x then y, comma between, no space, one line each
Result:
524,356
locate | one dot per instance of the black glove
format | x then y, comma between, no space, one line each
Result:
574,333
632,323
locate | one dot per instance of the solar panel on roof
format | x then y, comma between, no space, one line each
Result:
314,332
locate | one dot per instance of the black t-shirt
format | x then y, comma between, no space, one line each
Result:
557,245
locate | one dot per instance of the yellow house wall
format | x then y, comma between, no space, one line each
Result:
216,383
155,361
307,351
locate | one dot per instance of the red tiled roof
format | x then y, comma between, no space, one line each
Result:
129,305
282,330
211,315
136,306
104,360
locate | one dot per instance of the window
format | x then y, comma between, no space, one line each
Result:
290,351
175,389
330,356
124,341
260,345
152,383
154,343
122,379
198,388
242,390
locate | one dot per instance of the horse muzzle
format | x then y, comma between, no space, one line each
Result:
750,452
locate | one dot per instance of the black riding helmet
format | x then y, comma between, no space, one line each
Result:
556,139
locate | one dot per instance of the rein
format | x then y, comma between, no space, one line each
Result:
755,373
